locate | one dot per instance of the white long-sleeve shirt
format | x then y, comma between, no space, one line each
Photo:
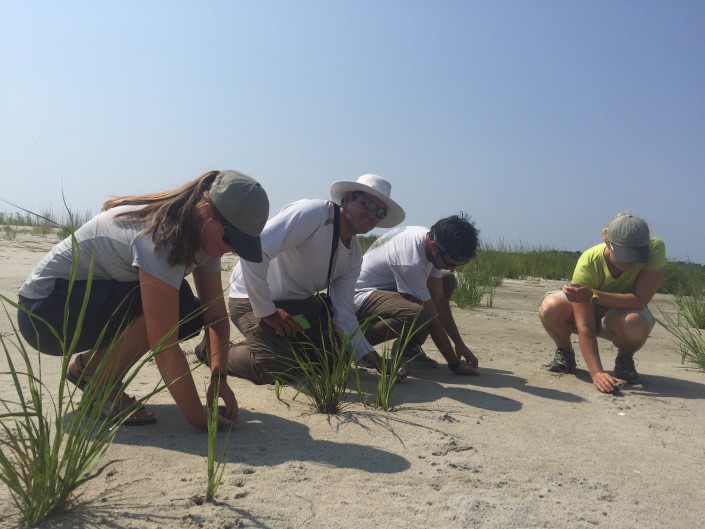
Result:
296,248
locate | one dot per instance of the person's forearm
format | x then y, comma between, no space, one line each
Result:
621,301
591,353
219,339
449,327
442,342
176,374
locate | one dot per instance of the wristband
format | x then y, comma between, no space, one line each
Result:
219,375
453,366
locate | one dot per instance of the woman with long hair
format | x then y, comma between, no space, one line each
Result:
129,265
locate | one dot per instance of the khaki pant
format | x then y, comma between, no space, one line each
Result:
393,315
268,356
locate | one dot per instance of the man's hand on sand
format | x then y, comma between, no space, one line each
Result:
465,369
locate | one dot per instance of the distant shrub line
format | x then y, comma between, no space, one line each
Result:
492,263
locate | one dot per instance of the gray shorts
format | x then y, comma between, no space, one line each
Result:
602,314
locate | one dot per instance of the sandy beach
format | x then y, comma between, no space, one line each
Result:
515,447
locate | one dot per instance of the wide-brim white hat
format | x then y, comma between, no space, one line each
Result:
376,186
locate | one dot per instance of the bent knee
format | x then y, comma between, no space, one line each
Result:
554,308
631,326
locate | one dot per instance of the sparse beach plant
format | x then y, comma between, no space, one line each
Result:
362,395
10,231
321,372
278,386
692,308
215,467
392,363
686,282
474,285
49,445
689,339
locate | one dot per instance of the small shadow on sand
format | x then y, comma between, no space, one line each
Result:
261,439
501,378
657,386
430,385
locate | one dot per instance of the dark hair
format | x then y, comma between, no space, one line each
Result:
456,236
172,216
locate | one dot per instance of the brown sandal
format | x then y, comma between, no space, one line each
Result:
137,414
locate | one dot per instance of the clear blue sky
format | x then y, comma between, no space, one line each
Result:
541,119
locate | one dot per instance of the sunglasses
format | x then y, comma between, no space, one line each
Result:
220,218
448,265
442,254
370,204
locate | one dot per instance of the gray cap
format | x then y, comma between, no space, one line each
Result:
629,237
244,205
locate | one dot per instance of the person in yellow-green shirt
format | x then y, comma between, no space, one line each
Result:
611,287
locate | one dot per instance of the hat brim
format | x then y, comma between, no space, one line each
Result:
395,213
248,247
625,254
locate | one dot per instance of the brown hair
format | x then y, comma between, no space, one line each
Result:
171,216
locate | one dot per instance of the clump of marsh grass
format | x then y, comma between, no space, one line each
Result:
692,308
689,339
686,281
320,372
474,285
10,231
391,367
49,446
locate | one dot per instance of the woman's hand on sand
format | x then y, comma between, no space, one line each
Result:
226,394
606,383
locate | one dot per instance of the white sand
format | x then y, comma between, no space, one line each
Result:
515,447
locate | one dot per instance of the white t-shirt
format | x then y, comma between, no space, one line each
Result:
120,249
397,262
296,248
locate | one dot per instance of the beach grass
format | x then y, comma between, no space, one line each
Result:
391,364
690,342
215,465
320,372
49,446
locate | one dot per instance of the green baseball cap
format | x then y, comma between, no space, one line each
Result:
244,205
629,237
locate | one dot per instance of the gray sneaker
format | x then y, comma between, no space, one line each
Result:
563,361
624,368
417,357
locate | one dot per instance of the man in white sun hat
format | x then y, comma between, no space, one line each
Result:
612,285
274,303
